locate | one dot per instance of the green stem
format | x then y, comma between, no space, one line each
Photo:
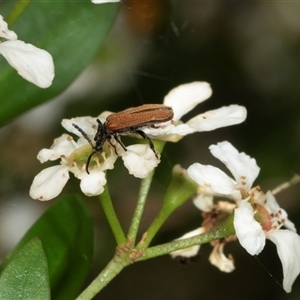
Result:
223,230
112,218
153,229
114,267
124,258
180,189
143,193
139,209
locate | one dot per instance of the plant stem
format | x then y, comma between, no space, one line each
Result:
153,229
221,231
139,209
112,218
179,190
114,267
143,193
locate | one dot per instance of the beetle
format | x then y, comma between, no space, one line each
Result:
127,122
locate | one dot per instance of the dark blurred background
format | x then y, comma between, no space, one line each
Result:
250,54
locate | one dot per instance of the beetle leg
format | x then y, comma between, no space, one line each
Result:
146,137
113,146
119,142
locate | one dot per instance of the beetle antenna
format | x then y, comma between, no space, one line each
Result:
84,135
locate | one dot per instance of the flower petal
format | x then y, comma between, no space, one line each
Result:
243,167
87,124
204,202
33,64
62,146
49,183
186,96
5,32
110,159
211,177
191,251
139,160
288,245
219,260
248,231
221,117
171,132
92,184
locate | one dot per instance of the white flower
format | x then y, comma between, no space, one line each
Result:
33,64
183,99
254,221
212,179
258,215
138,159
49,182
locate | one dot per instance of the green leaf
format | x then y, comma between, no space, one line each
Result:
71,31
26,277
66,232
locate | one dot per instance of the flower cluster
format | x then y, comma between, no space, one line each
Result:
138,159
257,215
33,64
